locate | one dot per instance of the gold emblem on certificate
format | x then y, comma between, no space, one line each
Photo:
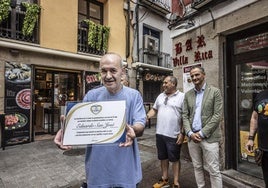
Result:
94,122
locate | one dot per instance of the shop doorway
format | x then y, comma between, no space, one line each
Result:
52,88
252,78
247,75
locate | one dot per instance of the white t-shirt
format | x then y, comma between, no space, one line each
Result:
169,114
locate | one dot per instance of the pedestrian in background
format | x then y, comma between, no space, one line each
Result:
124,80
114,165
169,134
259,124
202,114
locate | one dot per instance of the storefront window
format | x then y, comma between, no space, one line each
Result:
252,78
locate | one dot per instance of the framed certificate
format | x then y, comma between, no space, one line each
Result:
94,122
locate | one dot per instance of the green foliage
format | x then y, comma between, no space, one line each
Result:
31,17
98,35
4,9
106,33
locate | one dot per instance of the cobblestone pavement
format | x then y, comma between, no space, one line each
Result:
41,164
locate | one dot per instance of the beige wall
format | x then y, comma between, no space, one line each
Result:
114,14
244,18
58,24
59,21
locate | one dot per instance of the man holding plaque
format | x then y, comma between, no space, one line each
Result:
115,164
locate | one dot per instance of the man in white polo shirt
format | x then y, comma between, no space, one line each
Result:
169,132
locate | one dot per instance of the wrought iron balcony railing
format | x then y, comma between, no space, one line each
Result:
156,58
11,28
83,45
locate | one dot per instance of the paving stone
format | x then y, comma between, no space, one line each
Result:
41,164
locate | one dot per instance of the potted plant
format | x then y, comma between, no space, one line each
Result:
30,19
106,33
98,35
4,9
92,33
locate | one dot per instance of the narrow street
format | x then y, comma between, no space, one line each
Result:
41,164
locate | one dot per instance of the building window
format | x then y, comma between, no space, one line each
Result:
93,11
11,28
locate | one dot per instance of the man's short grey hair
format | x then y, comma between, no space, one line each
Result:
198,67
115,54
173,80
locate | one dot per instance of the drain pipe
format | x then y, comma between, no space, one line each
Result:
128,30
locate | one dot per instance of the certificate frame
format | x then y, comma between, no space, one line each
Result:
101,122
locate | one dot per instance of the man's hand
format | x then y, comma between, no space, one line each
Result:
58,141
249,146
196,137
180,139
130,136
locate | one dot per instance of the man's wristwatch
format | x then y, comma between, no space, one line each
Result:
251,137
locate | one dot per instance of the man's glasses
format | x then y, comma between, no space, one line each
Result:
166,99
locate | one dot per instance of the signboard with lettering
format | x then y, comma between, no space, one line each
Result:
198,54
251,43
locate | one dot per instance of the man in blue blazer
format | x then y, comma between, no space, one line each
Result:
202,114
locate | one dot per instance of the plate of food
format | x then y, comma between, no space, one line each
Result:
23,98
17,72
15,121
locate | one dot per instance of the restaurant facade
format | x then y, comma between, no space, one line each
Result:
230,40
54,64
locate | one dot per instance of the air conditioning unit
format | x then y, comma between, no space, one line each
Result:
150,43
196,4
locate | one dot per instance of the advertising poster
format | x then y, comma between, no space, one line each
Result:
17,103
92,80
187,82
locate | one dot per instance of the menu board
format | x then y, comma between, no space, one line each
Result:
17,103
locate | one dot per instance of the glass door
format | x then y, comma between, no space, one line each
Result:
52,90
252,77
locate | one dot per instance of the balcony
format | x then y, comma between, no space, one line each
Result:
155,58
161,7
83,44
11,28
